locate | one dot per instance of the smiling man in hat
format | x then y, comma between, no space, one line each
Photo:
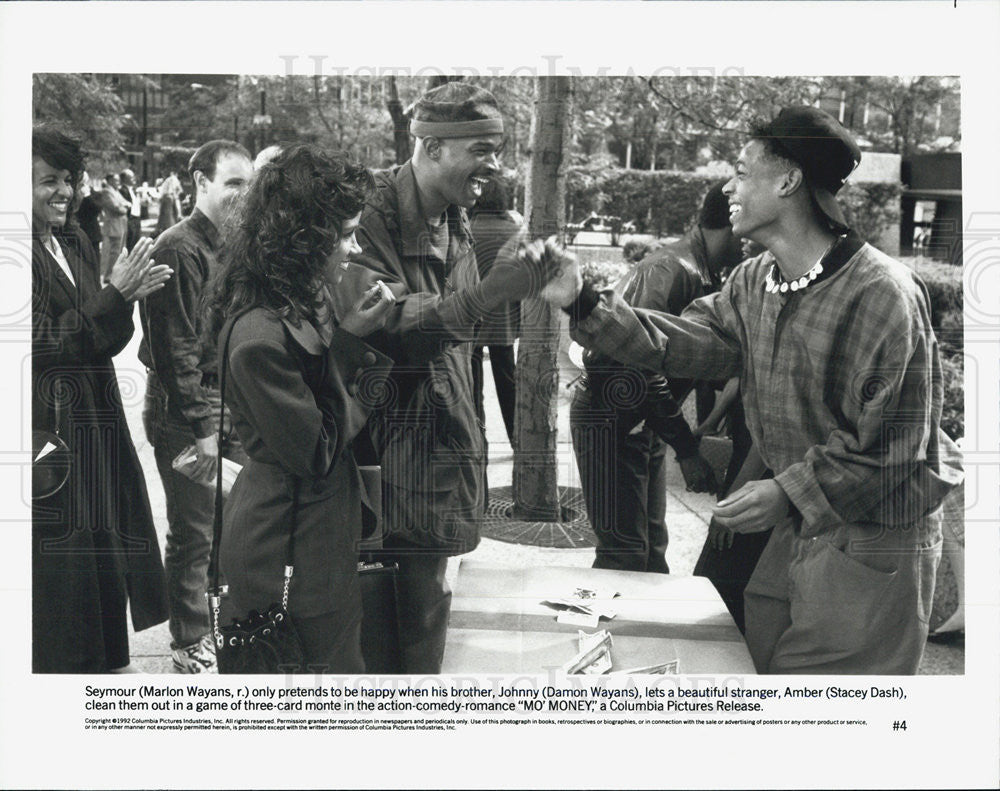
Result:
416,238
842,389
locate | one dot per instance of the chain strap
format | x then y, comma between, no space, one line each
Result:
284,592
214,603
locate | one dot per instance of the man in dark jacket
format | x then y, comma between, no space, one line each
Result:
94,547
622,419
182,394
493,225
415,237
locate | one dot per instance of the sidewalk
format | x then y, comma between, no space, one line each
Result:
687,513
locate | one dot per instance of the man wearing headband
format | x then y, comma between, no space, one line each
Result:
622,419
842,389
415,237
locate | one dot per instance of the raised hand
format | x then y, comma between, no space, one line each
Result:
529,269
517,272
370,312
564,279
135,274
156,278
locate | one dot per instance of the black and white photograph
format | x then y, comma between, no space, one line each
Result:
849,452
535,402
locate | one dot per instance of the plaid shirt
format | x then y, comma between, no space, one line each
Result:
841,381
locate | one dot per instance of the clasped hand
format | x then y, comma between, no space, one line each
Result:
529,269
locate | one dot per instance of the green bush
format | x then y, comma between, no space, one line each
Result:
953,411
944,289
599,268
666,201
870,207
659,202
951,333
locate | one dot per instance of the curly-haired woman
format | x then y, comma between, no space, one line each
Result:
296,380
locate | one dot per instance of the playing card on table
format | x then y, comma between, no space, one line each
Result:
595,603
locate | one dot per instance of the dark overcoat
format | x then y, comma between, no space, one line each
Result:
297,401
101,518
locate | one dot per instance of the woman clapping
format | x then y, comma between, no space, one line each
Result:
94,548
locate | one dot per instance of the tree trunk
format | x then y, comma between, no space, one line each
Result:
536,493
400,123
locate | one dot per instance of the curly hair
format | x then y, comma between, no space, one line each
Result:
762,131
283,232
64,152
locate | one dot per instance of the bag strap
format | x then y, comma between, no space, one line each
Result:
215,590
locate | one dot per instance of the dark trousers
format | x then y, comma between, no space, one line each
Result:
730,569
742,442
624,487
424,603
502,363
190,514
331,643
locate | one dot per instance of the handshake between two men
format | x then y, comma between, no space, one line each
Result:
547,270
535,268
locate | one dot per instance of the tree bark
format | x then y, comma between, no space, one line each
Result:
535,482
400,123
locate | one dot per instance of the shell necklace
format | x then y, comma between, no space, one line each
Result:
774,283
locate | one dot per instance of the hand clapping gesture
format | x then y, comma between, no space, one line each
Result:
136,275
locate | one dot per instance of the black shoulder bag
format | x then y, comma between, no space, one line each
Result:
262,642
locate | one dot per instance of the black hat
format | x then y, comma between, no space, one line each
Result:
823,148
714,212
